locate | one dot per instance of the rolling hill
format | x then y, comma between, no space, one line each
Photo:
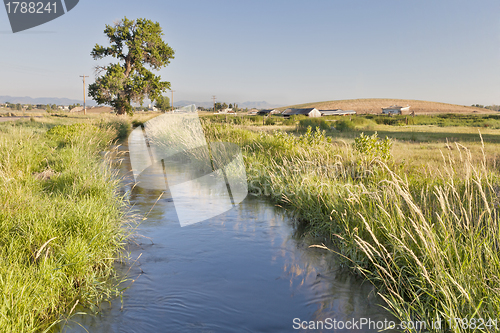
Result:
375,105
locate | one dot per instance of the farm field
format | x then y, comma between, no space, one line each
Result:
374,105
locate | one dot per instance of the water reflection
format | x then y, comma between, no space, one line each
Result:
245,270
173,146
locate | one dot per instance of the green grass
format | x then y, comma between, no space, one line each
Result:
427,236
313,123
422,225
442,120
61,220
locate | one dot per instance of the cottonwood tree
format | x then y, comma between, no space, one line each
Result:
163,103
136,44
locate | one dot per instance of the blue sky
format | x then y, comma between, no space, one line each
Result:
282,52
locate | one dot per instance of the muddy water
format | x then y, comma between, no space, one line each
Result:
246,270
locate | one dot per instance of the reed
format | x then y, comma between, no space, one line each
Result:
61,221
428,239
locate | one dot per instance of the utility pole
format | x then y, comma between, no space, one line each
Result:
84,107
172,91
213,97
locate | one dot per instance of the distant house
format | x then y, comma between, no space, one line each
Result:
252,113
226,110
337,112
310,112
267,112
395,109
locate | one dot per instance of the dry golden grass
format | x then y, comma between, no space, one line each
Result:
375,105
98,109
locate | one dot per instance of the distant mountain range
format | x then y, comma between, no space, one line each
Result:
257,105
89,102
44,100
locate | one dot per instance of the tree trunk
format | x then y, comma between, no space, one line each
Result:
120,110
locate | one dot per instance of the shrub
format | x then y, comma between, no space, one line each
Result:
270,121
64,134
289,121
344,125
314,123
372,146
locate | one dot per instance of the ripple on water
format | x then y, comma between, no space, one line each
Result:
242,271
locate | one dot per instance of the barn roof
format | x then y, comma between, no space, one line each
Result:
290,112
267,111
393,107
336,112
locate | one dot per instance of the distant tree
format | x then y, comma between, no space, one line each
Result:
30,107
135,43
163,103
493,107
218,106
18,107
230,105
224,106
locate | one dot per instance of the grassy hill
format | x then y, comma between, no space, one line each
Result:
375,105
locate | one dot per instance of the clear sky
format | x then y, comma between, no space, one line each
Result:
282,52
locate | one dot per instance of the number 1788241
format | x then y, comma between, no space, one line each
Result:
31,7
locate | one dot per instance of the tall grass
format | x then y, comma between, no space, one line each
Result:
60,222
428,240
441,120
313,123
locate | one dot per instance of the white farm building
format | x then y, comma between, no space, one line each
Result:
310,112
395,109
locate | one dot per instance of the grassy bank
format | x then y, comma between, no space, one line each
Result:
60,219
427,234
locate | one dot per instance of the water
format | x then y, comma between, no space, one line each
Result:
246,270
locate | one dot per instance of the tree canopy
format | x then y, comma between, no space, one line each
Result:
135,43
163,103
